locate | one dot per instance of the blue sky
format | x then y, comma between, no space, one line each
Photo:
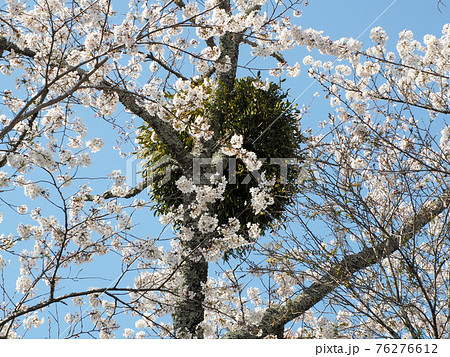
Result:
343,18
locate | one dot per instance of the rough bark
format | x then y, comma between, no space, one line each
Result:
189,311
164,130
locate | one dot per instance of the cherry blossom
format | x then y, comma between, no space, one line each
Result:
85,79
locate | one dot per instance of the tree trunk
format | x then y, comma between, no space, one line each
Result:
189,311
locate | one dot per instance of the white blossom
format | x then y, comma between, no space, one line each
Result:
207,223
237,141
128,332
33,321
254,232
23,283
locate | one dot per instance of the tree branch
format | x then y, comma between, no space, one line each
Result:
6,45
45,303
135,190
276,317
165,66
23,114
277,55
164,130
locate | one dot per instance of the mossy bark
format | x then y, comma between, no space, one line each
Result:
189,311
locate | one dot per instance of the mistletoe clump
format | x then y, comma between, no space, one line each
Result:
268,123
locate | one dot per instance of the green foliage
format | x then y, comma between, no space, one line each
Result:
269,125
165,193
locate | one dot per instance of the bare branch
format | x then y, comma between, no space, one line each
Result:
276,317
62,298
148,181
164,130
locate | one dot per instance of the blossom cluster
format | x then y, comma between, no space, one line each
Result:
374,168
248,157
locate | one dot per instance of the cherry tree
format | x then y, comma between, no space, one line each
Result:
378,180
168,78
